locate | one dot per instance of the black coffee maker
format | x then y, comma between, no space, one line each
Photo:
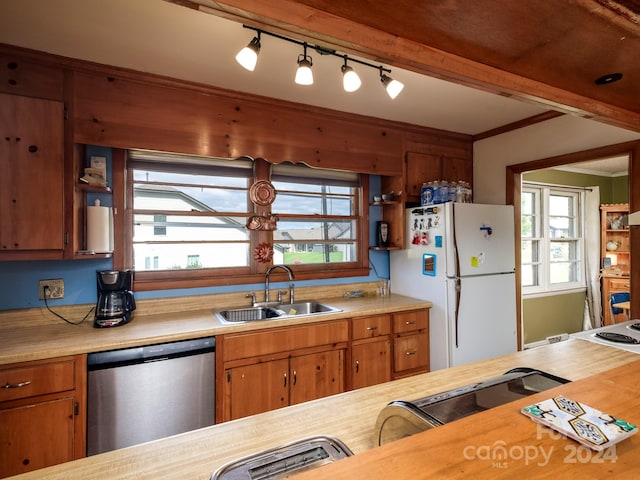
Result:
115,299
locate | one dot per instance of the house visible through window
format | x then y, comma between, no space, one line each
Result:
159,225
317,215
191,214
552,238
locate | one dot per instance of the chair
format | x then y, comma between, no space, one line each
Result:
618,297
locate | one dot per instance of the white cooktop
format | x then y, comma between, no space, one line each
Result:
623,328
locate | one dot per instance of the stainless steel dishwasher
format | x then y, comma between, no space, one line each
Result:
140,394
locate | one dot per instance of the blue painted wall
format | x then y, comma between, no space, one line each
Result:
19,280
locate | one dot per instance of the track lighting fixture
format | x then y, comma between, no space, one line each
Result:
393,87
248,56
351,82
304,75
350,79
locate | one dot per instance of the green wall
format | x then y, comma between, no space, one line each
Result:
552,315
612,189
555,314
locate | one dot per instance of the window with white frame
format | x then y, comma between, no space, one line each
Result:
190,214
552,238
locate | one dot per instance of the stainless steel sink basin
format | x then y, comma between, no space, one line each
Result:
282,311
306,308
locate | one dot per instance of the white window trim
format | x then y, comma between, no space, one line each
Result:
545,288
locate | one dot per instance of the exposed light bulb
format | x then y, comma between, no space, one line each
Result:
304,75
393,87
248,56
350,79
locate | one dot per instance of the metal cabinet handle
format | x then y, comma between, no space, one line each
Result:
285,379
409,323
372,328
410,353
17,385
357,366
295,378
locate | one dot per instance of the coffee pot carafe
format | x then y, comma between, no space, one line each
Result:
115,298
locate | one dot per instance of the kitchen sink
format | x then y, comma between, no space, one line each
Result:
306,308
281,311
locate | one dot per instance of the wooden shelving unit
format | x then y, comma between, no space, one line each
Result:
614,247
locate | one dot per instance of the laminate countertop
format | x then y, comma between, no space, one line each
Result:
351,417
37,334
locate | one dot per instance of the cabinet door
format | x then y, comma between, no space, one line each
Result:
316,375
36,436
257,388
422,167
32,209
371,363
411,352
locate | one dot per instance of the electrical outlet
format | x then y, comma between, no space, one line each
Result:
56,289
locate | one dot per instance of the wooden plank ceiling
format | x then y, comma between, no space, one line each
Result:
563,44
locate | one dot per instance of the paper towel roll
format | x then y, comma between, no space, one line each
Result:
99,238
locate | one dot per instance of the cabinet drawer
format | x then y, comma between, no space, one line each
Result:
619,284
252,344
410,352
29,381
367,327
410,321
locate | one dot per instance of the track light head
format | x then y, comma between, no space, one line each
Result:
350,79
393,87
304,75
248,56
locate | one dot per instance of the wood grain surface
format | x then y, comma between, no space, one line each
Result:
351,417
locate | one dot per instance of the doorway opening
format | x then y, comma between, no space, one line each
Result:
550,308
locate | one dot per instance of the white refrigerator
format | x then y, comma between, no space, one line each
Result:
461,257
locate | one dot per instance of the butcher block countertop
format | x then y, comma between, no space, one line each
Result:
36,334
605,378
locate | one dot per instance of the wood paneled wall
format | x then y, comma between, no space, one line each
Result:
128,111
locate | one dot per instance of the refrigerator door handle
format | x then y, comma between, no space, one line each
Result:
458,289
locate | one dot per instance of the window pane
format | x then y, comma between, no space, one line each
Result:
530,251
179,228
190,255
561,216
305,253
561,205
563,251
319,230
529,275
527,205
202,193
312,199
564,272
301,239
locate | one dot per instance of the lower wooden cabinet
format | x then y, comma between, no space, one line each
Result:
260,387
42,414
410,343
370,351
262,370
268,369
371,363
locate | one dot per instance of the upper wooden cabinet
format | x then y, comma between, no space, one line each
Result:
21,76
31,178
424,167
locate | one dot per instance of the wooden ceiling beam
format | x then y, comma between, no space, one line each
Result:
291,17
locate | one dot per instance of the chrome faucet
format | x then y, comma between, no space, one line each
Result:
266,282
